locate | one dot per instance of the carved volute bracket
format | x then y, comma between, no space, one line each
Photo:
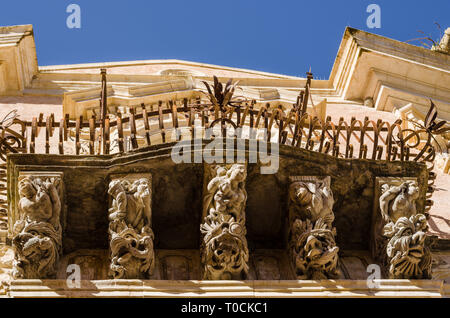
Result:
37,224
398,230
130,219
311,237
224,251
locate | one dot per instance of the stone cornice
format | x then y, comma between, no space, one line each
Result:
400,50
18,61
248,288
12,35
57,68
366,63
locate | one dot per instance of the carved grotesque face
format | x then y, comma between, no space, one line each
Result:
132,254
319,254
226,252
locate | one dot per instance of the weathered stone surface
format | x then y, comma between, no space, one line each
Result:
312,245
441,266
177,198
270,264
130,220
94,264
37,230
230,289
6,267
398,233
354,265
224,248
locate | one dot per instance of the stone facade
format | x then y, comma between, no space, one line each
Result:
133,223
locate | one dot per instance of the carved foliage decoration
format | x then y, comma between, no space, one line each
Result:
312,245
37,233
224,250
131,237
407,256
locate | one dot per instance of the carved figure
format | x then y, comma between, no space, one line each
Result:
131,236
398,201
224,248
312,200
409,257
312,237
37,233
226,193
405,252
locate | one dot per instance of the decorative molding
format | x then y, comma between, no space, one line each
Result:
389,98
82,102
231,289
363,58
18,59
180,72
311,237
224,251
130,220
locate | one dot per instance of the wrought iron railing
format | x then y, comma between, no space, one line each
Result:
363,139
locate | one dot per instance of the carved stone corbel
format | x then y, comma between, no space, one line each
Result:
311,238
224,251
37,227
398,230
130,219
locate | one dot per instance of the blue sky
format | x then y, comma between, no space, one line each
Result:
284,37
